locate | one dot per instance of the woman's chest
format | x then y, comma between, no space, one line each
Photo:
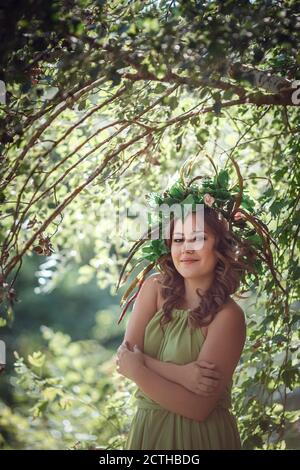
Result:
176,342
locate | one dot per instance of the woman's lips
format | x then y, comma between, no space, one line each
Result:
189,261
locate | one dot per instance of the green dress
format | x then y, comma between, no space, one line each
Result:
154,427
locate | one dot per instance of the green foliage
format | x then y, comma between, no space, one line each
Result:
68,396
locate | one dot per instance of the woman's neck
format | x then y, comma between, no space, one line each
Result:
191,299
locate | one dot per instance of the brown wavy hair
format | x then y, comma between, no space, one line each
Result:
230,271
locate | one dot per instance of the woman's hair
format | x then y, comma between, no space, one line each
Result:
230,271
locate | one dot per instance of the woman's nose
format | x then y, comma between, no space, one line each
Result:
187,246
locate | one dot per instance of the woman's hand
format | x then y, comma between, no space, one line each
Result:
200,377
129,362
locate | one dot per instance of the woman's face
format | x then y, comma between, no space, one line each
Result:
190,241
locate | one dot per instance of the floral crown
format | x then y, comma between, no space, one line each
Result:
235,208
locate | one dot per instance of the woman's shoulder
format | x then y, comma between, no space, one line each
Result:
232,305
157,278
231,312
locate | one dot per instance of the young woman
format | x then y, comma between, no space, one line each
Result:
183,341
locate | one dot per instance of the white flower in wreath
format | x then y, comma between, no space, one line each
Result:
208,199
239,216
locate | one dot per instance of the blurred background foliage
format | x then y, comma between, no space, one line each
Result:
104,101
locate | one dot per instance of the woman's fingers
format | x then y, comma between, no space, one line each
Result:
120,352
209,382
211,374
203,363
214,374
208,368
206,388
121,348
204,392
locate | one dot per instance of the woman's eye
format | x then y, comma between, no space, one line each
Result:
197,239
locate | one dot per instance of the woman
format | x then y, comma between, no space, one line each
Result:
192,335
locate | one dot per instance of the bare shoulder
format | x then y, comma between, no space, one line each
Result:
236,308
232,314
233,306
154,280
157,280
145,306
151,285
155,276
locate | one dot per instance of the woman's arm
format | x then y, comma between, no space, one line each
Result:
197,376
169,395
168,370
223,346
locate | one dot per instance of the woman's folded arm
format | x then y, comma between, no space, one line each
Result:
166,369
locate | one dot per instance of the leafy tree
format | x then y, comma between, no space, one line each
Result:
66,398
